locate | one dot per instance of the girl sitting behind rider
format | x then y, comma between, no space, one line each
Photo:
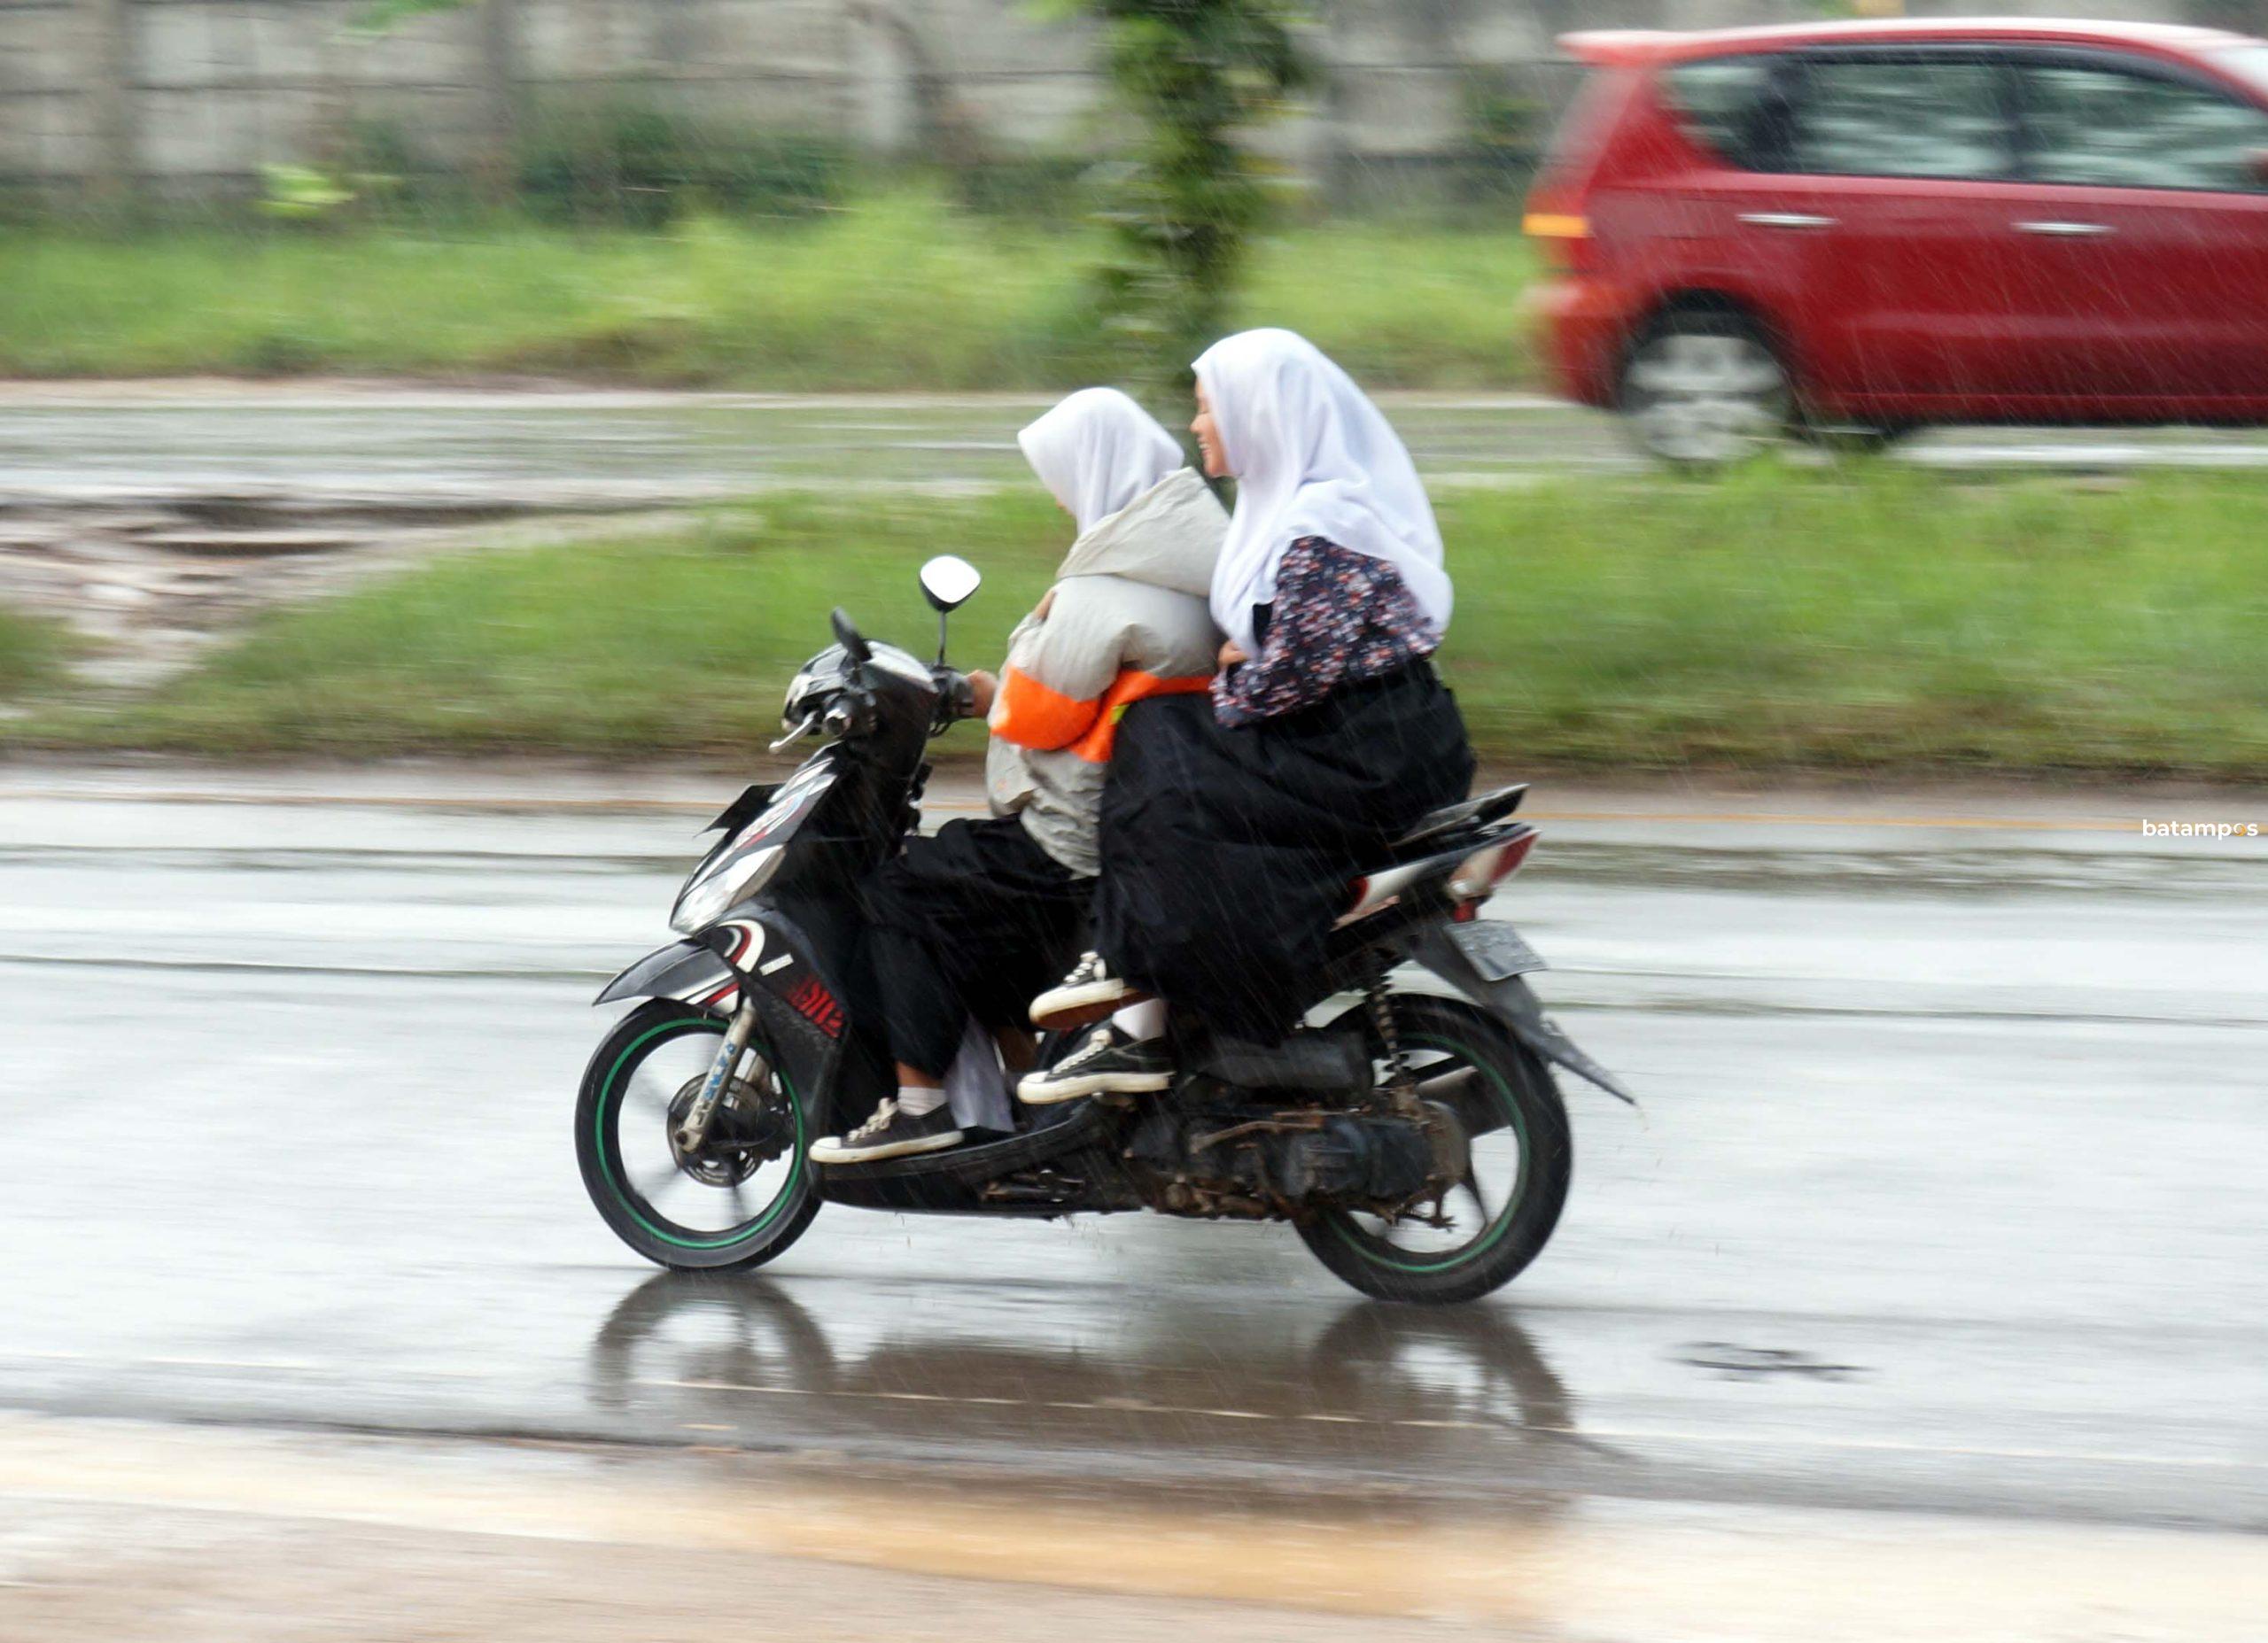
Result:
970,922
1234,824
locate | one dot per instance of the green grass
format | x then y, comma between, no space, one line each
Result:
897,291
677,644
1765,620
1900,621
32,652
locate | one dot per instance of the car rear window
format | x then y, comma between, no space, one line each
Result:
1726,105
1902,117
1590,114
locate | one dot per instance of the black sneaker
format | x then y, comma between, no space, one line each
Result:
1111,1064
1085,996
889,1134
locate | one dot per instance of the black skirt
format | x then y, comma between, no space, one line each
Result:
1228,854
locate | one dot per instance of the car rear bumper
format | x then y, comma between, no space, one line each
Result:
1583,323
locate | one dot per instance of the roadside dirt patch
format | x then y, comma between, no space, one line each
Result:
153,582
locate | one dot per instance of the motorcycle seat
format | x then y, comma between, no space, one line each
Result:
1436,827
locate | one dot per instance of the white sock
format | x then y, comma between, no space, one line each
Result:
916,1099
1147,1019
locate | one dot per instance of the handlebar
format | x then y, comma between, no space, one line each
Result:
955,697
810,723
849,709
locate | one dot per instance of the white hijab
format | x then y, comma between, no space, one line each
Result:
1097,452
1312,457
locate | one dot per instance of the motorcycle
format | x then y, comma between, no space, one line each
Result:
1410,1130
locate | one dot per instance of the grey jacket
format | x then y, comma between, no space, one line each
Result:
1130,620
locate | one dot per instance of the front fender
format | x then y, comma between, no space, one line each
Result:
1512,1002
690,970
751,943
804,1021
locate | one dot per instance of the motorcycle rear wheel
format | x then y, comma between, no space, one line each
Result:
1464,1058
738,1230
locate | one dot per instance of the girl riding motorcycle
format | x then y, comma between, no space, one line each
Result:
970,921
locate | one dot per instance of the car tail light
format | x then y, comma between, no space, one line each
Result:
1563,238
1483,871
1559,218
1555,225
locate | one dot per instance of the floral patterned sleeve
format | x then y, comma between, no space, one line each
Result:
1339,617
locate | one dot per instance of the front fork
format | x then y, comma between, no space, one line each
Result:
694,1130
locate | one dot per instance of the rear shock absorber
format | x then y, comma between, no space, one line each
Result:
1401,1089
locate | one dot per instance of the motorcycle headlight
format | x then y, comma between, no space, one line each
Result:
701,903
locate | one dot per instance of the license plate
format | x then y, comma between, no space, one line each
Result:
1495,950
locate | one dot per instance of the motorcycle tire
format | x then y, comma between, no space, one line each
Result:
768,1230
1510,1089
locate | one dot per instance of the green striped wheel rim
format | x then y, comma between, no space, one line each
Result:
605,1114
1378,1251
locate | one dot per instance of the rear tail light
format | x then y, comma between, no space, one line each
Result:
1553,224
1583,154
1483,871
1562,237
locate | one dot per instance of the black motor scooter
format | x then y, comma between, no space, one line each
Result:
1409,1130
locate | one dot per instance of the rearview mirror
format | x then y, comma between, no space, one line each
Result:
947,582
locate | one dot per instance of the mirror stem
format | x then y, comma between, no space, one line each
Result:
942,614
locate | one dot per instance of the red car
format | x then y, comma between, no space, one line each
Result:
1852,229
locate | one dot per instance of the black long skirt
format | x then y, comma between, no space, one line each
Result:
1228,853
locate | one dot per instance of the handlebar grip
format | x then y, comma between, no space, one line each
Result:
956,697
852,714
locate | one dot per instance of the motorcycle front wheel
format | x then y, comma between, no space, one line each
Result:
1501,1214
743,1196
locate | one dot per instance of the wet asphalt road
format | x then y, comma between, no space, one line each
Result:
1946,1197
331,447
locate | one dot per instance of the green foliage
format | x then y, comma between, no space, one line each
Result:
1054,189
308,194
32,652
379,16
1199,75
674,644
1764,619
639,167
1504,127
851,300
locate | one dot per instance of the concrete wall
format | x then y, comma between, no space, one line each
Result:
193,96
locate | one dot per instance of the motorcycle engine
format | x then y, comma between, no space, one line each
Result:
1268,1163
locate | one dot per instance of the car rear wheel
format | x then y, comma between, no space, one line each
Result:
1703,388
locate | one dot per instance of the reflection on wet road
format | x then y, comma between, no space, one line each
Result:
1945,1196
